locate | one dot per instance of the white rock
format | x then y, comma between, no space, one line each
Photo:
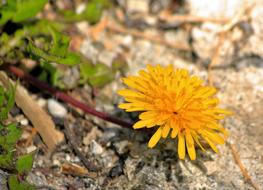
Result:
56,109
41,102
141,6
211,167
80,8
68,158
127,40
216,9
96,148
24,122
31,149
56,162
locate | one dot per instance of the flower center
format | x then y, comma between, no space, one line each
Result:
175,113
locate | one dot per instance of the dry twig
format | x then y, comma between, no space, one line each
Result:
72,141
157,39
39,118
172,18
242,167
222,36
216,56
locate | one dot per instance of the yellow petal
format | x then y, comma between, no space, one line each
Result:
214,137
131,107
155,138
223,111
174,132
144,123
129,81
196,139
211,144
181,146
165,130
213,101
210,91
125,105
190,146
148,115
129,93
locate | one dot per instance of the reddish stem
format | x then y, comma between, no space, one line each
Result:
64,97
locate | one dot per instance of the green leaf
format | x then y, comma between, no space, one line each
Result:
49,69
7,102
26,9
14,184
92,12
13,135
6,160
120,64
24,163
60,43
97,75
69,59
21,10
7,11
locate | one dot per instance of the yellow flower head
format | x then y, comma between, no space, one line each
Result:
178,104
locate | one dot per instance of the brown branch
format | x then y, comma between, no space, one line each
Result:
242,167
72,141
64,97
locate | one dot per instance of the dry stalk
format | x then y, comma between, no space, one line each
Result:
242,167
38,117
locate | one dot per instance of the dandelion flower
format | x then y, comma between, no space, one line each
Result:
178,105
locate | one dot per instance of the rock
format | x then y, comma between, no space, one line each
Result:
31,149
3,180
41,102
108,159
210,167
71,77
96,148
218,9
122,146
68,158
137,6
56,109
106,57
127,40
92,135
89,50
205,42
24,122
56,162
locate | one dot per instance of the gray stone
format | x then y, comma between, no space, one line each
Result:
56,109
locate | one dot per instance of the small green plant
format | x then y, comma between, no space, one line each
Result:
17,165
19,11
91,13
44,41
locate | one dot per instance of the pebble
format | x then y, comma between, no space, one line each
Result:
24,122
56,162
137,6
31,149
91,135
122,146
96,148
68,158
41,102
211,167
56,109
